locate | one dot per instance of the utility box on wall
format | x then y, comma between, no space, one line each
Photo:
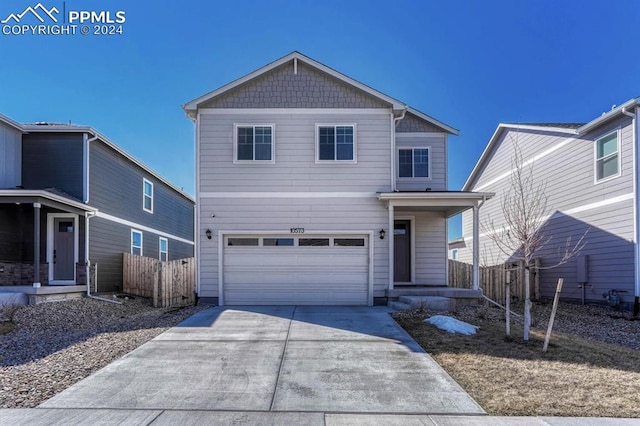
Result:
582,269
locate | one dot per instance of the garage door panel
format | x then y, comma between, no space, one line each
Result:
282,297
258,278
292,258
307,275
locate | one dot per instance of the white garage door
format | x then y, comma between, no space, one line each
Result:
296,270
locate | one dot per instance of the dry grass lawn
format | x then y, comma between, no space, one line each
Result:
576,377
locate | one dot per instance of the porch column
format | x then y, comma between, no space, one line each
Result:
476,247
36,244
390,241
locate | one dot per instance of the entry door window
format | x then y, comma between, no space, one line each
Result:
63,250
402,251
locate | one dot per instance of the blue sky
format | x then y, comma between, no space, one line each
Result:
471,64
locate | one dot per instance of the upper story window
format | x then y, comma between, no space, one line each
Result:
607,156
147,196
413,163
163,249
136,242
336,143
253,143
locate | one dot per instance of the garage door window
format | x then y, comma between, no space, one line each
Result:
296,242
348,242
242,242
277,242
313,242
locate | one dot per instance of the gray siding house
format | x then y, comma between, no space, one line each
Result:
313,188
591,175
86,201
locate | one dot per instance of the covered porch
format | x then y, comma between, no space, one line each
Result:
418,249
42,243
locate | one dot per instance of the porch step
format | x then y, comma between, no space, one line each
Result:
442,291
432,303
400,306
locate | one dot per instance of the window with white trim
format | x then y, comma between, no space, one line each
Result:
163,249
147,195
414,163
136,242
336,143
607,158
253,143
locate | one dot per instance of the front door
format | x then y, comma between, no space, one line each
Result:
63,249
402,251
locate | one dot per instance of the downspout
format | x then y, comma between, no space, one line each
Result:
87,216
87,156
476,243
636,210
396,120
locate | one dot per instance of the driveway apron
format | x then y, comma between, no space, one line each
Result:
276,358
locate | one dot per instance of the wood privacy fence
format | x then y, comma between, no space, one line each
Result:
169,284
494,279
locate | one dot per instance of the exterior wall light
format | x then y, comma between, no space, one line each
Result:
208,233
382,234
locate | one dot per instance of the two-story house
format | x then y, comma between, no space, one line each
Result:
69,197
313,188
590,174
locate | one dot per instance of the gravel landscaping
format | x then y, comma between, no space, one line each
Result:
56,344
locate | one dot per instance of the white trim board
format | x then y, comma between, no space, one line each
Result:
288,195
525,163
292,111
570,212
141,227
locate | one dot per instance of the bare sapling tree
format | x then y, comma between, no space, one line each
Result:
520,235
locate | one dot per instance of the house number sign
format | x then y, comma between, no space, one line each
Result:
297,230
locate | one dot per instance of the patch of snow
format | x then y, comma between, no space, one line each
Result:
451,325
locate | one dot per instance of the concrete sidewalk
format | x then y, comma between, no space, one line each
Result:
70,417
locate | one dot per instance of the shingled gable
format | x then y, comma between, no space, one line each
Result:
296,81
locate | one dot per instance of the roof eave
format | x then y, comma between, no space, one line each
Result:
433,121
13,124
46,194
608,116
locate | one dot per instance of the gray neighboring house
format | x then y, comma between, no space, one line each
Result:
591,170
313,188
85,200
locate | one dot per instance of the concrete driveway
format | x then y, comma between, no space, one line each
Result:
277,359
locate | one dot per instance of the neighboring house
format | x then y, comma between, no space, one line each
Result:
454,248
591,176
85,200
313,188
